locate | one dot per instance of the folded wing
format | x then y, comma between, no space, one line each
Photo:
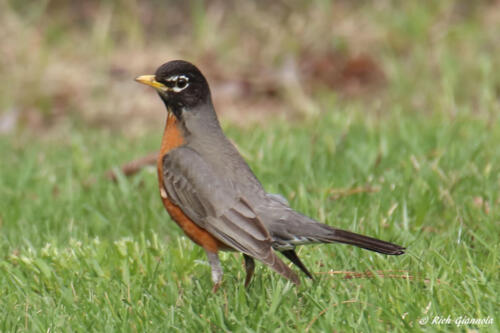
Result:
215,204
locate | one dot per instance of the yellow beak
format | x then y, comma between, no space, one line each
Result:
150,80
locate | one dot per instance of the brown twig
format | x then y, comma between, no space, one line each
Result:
383,274
344,192
131,168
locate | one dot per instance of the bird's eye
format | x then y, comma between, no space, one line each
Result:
181,83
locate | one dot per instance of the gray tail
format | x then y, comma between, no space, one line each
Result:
365,242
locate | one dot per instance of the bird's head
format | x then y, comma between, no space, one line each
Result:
181,86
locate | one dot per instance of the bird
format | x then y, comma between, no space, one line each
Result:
212,194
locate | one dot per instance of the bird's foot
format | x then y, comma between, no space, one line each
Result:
215,287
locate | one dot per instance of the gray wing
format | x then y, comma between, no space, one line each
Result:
215,204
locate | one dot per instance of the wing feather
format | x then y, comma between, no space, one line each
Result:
215,204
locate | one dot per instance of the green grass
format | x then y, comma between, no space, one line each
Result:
80,253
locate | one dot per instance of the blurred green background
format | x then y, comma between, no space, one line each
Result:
76,60
381,117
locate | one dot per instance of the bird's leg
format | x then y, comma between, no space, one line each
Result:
249,267
213,259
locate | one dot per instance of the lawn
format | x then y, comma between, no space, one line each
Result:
81,252
401,144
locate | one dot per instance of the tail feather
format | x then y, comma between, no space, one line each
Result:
302,230
365,242
292,256
307,230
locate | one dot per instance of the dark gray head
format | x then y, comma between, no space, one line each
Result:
181,86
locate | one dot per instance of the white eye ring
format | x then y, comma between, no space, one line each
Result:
176,79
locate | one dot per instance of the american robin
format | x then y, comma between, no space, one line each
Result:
212,194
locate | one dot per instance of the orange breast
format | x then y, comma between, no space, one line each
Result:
172,138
